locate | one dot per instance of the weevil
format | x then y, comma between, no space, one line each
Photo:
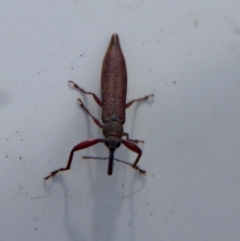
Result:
113,104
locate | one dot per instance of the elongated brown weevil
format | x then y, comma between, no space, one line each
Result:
113,103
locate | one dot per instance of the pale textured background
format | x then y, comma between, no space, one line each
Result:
185,52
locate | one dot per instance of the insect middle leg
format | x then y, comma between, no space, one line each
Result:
127,137
97,122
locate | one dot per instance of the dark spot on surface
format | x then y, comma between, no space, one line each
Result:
196,22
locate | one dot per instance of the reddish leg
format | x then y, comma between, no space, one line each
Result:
93,117
132,101
87,93
127,137
78,147
133,147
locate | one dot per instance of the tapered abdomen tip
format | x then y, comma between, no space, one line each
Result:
114,39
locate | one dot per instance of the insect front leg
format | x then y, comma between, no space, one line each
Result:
78,147
133,147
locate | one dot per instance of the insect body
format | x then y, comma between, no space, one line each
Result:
114,91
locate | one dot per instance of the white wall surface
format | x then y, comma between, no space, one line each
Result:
185,52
